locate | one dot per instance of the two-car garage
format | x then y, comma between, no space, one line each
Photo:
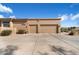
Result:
43,25
43,29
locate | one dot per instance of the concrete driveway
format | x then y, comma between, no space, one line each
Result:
41,44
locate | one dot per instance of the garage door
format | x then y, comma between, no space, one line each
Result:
48,29
33,29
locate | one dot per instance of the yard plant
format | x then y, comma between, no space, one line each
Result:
5,32
21,32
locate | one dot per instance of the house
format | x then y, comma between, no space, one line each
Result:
31,25
76,31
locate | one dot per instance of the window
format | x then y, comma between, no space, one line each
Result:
6,24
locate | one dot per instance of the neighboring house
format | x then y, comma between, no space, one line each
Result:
31,25
76,30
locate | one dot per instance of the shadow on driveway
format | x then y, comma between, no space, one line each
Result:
62,51
9,50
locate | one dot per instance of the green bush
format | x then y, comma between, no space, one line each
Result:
5,32
21,32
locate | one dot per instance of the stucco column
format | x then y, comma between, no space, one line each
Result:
59,29
1,25
38,25
11,24
12,27
28,27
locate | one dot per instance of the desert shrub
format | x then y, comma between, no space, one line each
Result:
71,33
64,29
5,32
21,32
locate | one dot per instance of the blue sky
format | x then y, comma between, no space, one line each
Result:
68,12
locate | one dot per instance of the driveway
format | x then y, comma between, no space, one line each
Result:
40,44
71,40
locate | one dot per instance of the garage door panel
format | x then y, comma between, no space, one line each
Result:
33,29
47,29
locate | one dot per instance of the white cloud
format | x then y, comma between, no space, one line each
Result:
1,16
5,9
63,17
75,17
12,17
69,17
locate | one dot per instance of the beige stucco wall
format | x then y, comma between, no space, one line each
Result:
41,21
49,21
15,25
19,25
32,21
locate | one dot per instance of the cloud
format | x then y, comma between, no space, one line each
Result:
64,17
75,17
1,16
69,20
12,16
69,17
5,9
